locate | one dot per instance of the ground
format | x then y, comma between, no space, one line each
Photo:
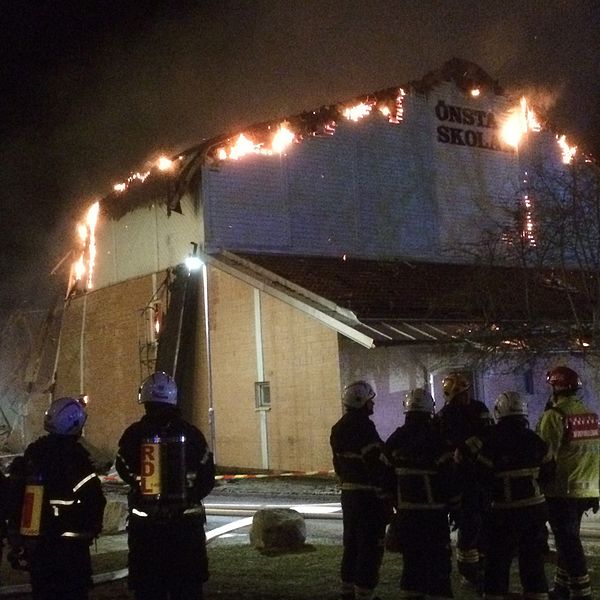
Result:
240,572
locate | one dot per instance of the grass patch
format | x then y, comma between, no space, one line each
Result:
239,572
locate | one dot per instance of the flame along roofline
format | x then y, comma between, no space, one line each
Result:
168,180
172,185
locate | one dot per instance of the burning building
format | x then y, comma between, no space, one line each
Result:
331,246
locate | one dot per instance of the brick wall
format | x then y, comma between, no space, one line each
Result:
111,367
300,361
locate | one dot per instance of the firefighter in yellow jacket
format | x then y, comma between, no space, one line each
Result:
571,431
357,460
59,507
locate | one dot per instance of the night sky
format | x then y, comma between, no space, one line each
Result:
91,91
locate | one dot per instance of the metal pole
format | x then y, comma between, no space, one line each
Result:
211,408
180,325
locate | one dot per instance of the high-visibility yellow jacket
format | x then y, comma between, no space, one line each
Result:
577,460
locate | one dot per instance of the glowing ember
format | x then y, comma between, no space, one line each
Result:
121,187
528,231
395,114
399,106
568,152
475,92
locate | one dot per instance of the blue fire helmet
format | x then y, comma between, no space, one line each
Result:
65,416
159,387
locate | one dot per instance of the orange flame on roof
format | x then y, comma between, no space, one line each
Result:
164,163
568,152
282,138
244,145
91,221
519,122
357,112
86,231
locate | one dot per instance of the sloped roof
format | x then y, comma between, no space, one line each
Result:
398,302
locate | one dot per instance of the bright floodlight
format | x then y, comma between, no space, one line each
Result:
193,263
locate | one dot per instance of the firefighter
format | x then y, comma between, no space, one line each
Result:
571,431
57,507
460,419
357,461
425,487
513,461
169,468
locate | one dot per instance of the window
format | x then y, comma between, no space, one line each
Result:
262,395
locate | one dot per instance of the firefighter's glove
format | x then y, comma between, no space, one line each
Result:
18,558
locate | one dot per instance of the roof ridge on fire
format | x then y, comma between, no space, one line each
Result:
173,184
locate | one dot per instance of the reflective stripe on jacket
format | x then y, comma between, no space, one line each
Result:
577,461
513,459
357,452
425,477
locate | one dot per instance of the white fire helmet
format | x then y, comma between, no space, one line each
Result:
419,400
65,416
509,404
357,394
159,387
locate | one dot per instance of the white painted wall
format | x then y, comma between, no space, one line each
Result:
144,241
